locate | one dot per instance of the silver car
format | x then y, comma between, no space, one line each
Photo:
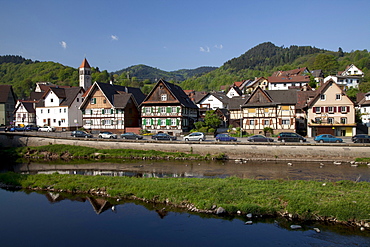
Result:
107,135
196,136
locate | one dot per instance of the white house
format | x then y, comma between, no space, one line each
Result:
234,92
364,107
59,108
25,113
350,77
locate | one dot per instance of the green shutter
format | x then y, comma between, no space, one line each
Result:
111,111
91,112
168,109
116,111
177,122
178,109
83,111
168,121
159,121
94,100
151,121
142,109
159,110
102,111
144,121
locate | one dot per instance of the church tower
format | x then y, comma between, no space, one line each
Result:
85,74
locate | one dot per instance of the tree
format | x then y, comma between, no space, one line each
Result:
211,119
327,62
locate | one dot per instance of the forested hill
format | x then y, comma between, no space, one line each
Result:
143,72
265,58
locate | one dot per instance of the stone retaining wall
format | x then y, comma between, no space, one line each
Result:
288,151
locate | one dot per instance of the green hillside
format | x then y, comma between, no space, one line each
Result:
266,58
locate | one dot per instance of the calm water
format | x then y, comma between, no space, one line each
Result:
35,219
253,170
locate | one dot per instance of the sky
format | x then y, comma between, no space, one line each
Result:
174,34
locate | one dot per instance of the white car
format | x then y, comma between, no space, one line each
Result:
196,136
47,129
107,135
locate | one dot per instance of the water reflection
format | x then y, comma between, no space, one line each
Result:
261,170
29,221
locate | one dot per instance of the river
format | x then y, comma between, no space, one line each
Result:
51,219
302,170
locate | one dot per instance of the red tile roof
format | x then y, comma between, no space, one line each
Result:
85,64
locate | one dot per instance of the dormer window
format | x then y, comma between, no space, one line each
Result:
338,96
164,97
322,97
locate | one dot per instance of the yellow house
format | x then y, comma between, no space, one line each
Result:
331,112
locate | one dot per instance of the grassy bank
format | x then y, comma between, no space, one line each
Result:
69,152
342,201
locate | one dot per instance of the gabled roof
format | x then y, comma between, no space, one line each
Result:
85,64
28,105
303,98
236,102
289,73
291,79
121,100
176,92
36,96
322,89
361,99
260,97
110,91
237,90
5,90
67,95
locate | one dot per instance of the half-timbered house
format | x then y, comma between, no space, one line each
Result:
111,107
274,109
168,109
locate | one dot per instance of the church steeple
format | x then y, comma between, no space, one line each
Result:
85,74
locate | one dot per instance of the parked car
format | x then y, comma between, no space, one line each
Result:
163,136
107,135
361,138
225,138
259,138
79,133
32,128
131,135
290,137
16,128
47,129
327,138
196,136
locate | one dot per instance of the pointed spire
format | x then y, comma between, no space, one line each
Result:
85,64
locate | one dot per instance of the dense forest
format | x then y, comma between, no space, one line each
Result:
266,58
261,60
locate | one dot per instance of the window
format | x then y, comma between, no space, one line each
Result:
251,110
317,120
65,110
63,120
78,99
343,120
163,122
51,100
93,101
322,97
54,120
173,122
104,101
163,109
330,120
147,109
251,122
48,110
330,109
108,122
174,109
267,109
285,121
60,110
164,97
338,96
285,108
41,111
317,109
266,122
343,109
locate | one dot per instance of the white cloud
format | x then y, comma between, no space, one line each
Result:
63,44
204,49
219,47
114,37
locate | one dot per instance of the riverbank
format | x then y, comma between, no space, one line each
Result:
342,202
345,152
